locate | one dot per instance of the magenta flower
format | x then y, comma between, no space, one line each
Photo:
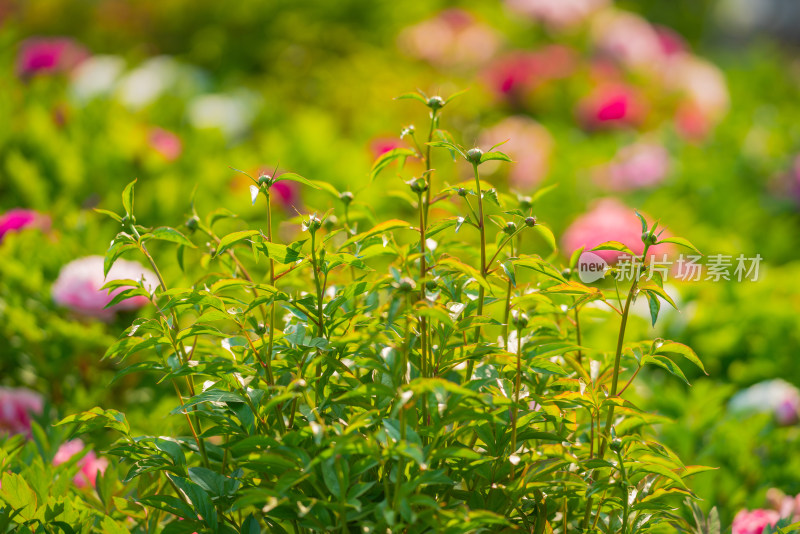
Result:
79,282
49,55
643,164
383,145
518,73
165,143
608,220
611,105
88,466
747,522
17,406
18,219
530,146
286,194
453,38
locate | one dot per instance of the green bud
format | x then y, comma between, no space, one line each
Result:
405,285
462,192
265,180
191,223
330,222
436,102
566,273
431,285
519,319
312,224
261,329
649,238
128,221
615,445
525,202
530,222
346,197
474,155
418,185
510,228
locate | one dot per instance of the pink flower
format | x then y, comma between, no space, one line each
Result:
88,466
611,105
18,219
747,522
45,55
286,194
608,220
453,38
642,164
16,408
79,282
557,14
704,92
518,73
529,145
777,396
383,145
165,143
628,39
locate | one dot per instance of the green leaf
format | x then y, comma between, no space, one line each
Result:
165,233
295,178
573,260
641,218
230,239
117,248
613,245
383,227
280,253
680,241
388,157
110,214
412,96
655,289
127,198
325,186
463,268
547,235
671,347
665,363
492,156
654,305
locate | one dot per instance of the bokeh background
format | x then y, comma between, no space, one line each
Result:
686,110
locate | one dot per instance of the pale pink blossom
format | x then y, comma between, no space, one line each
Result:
529,144
608,220
88,466
518,73
165,143
753,522
775,396
19,219
611,105
704,92
79,282
642,164
49,55
628,39
17,407
453,38
557,14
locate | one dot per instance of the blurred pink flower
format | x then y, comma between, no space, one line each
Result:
747,522
18,219
608,220
79,282
453,38
286,194
611,105
671,41
557,14
88,466
17,405
529,145
382,145
775,396
49,55
785,505
628,39
165,143
642,164
704,91
518,72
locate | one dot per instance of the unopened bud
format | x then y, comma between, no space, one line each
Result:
436,102
474,155
530,222
346,197
191,223
510,228
519,319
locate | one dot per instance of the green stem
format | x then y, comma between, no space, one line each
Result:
423,322
481,292
514,410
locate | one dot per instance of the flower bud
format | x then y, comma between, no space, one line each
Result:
519,319
128,221
649,238
436,102
530,222
261,329
191,223
525,202
418,185
346,197
462,192
408,130
510,228
431,285
615,445
474,155
312,224
566,273
265,180
405,285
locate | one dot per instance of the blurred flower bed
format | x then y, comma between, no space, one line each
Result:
615,110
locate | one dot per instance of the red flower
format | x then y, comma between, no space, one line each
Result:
611,106
41,55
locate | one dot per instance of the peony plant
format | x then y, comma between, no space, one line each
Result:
373,375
